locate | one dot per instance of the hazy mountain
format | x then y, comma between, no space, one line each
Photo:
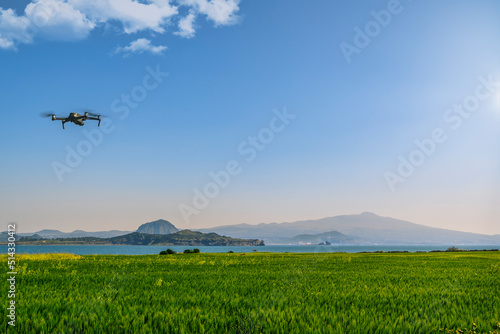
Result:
159,226
54,234
365,228
4,236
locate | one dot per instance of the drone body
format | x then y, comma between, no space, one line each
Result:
76,118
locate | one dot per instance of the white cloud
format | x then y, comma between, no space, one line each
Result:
139,46
221,12
186,28
54,19
74,19
50,19
13,29
133,15
6,44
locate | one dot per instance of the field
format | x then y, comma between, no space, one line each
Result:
257,293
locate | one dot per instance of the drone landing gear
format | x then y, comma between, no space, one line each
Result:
63,124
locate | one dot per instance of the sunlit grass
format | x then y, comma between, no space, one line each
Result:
42,257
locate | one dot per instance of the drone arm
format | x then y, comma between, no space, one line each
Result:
98,118
58,118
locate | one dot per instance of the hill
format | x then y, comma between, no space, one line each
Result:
334,237
365,228
159,226
183,238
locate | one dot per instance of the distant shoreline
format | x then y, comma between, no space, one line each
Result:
180,238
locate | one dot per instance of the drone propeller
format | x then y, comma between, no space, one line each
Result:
47,114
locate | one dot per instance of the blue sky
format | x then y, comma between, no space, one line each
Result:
230,64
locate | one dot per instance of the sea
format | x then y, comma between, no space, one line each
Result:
148,250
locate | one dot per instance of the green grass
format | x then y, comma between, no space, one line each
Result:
257,293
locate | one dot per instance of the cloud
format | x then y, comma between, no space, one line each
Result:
221,12
13,29
6,44
139,46
134,16
56,20
186,28
50,19
67,20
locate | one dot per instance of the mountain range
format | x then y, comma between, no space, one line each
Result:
53,234
159,226
365,228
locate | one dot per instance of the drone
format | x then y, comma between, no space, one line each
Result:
75,118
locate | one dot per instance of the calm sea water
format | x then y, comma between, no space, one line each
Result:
143,250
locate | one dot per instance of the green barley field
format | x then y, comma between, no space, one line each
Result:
257,293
